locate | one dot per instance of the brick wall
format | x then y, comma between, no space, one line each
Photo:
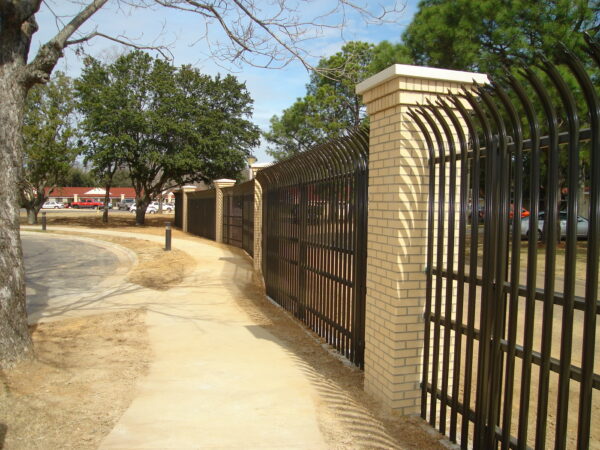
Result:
397,231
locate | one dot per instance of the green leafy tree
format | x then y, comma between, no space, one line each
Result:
78,177
331,104
488,36
496,35
49,140
103,133
168,126
121,178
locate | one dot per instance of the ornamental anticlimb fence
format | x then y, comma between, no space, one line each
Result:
314,218
511,325
201,213
238,216
314,239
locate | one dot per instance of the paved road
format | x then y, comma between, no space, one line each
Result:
66,273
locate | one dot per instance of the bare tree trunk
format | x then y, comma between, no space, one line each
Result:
15,341
31,216
140,211
106,204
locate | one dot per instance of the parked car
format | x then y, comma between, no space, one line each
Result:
87,203
151,209
582,226
125,204
51,204
166,207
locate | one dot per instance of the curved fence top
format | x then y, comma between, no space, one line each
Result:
348,154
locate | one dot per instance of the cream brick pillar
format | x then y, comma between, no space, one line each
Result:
184,203
397,231
258,217
219,185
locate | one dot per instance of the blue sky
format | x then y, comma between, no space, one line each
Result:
272,90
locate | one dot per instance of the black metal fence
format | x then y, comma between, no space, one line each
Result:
511,322
238,216
314,239
201,213
178,220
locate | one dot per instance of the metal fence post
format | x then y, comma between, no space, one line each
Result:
43,220
168,236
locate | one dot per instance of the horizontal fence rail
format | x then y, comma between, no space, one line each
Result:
314,239
238,216
511,359
201,210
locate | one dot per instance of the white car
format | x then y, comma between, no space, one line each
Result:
52,205
166,207
582,226
151,209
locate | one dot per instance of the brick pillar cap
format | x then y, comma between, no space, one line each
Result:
262,165
224,182
428,73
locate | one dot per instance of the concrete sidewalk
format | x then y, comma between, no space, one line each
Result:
217,379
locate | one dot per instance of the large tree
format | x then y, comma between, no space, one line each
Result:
331,104
495,35
486,36
102,126
268,37
50,142
169,126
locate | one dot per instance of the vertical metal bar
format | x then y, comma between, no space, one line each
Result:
570,256
43,220
593,253
488,271
429,263
463,204
500,216
551,236
302,256
475,169
515,264
439,265
534,201
360,262
449,268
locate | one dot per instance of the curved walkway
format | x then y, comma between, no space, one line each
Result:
217,380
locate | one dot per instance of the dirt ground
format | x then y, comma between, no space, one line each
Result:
81,381
86,388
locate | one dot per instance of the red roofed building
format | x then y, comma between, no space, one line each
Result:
68,195
76,194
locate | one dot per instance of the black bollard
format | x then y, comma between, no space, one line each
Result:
168,236
43,220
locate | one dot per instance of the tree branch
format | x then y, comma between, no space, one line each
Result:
39,70
163,50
